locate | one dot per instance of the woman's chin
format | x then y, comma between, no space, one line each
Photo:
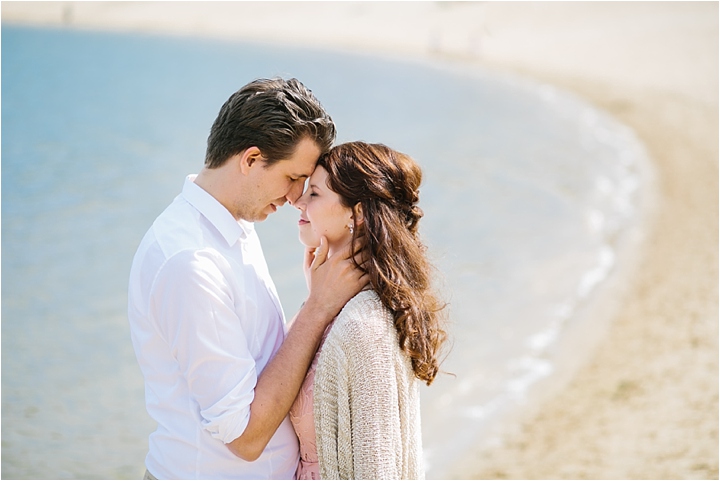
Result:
309,242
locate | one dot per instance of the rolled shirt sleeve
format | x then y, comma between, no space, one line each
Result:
205,320
197,314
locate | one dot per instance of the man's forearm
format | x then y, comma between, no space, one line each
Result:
335,280
280,381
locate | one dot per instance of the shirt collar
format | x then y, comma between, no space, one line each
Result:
215,212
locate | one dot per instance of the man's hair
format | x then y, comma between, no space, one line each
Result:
272,115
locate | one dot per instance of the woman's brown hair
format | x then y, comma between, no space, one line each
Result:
385,183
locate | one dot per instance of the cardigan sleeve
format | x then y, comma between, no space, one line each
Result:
374,403
331,410
356,403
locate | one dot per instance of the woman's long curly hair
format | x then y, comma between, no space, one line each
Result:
385,183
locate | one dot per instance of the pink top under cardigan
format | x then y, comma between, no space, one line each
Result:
302,419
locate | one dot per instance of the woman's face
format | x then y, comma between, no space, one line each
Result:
323,214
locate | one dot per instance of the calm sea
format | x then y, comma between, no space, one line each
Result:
528,193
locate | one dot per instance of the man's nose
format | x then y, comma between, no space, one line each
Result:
294,194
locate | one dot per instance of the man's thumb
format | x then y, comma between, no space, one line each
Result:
321,252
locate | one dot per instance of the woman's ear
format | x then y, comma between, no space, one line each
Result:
358,214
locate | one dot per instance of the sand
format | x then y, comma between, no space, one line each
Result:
645,404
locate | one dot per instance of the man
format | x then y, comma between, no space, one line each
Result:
206,322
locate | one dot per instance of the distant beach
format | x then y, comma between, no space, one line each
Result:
645,404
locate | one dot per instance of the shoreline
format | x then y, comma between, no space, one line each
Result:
645,403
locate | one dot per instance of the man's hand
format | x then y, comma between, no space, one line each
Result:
333,281
307,263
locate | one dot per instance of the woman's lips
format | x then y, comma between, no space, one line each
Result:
303,222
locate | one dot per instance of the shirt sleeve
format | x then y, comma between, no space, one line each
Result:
192,303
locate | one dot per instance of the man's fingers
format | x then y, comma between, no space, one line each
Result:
364,280
309,256
352,249
320,253
361,260
360,254
359,245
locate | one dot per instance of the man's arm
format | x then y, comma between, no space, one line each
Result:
333,282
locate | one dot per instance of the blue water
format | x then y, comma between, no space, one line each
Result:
527,194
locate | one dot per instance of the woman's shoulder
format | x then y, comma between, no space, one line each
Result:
367,300
365,307
364,316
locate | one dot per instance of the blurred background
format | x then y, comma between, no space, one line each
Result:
540,201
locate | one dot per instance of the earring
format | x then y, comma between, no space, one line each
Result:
351,228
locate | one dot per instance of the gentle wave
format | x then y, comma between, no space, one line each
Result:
470,411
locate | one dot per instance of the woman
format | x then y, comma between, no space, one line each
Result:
358,412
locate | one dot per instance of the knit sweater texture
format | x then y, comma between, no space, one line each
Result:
366,400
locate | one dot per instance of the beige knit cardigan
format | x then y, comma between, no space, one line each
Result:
366,401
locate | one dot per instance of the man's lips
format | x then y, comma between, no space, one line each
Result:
276,205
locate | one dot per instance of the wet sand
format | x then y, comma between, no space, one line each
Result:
645,404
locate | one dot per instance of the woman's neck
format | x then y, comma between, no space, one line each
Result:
336,247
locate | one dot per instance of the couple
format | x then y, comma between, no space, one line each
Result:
235,393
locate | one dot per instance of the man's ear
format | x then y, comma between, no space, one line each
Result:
249,158
358,214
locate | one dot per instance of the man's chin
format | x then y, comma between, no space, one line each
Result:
258,217
261,216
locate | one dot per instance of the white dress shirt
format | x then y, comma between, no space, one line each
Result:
205,319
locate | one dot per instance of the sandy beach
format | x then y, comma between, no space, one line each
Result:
645,403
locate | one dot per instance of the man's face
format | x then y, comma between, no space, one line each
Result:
270,187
